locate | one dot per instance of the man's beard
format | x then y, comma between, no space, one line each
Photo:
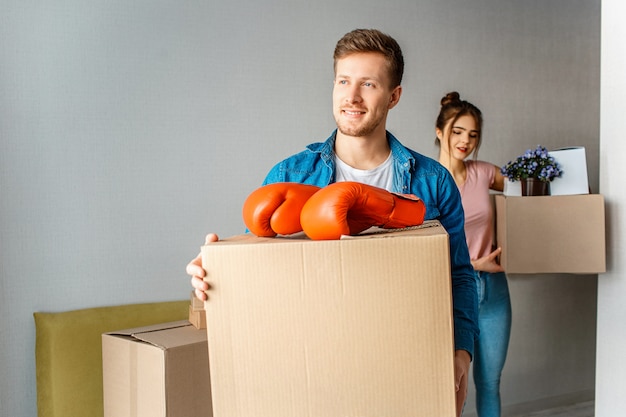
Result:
360,130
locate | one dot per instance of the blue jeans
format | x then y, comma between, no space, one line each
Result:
494,321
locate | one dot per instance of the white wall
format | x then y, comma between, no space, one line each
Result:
130,129
611,361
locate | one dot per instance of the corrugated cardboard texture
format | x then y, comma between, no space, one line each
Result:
353,328
197,316
156,371
551,234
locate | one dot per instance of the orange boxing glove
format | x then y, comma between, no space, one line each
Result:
348,208
275,208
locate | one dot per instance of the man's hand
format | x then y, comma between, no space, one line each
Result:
461,370
194,268
488,263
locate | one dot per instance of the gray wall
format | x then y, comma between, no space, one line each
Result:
130,129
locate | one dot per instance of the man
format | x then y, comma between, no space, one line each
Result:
368,73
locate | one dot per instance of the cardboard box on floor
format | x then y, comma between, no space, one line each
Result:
358,327
156,371
551,234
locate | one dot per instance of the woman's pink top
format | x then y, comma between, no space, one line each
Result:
478,208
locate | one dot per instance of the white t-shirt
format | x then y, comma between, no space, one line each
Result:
381,176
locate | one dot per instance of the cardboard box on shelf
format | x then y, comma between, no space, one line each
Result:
551,234
353,327
156,371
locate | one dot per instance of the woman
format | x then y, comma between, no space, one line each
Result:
458,130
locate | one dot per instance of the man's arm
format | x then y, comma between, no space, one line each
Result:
464,293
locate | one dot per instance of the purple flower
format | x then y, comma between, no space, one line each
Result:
535,163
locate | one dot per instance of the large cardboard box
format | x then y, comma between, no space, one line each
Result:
551,234
156,371
358,327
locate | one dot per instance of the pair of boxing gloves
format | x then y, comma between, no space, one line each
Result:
342,208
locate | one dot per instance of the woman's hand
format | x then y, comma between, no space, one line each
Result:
488,263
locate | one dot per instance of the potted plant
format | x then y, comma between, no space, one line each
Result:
535,169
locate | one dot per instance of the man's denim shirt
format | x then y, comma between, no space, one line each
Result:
413,174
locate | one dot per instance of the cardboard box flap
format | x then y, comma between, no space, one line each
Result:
429,227
379,232
175,337
151,328
178,335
